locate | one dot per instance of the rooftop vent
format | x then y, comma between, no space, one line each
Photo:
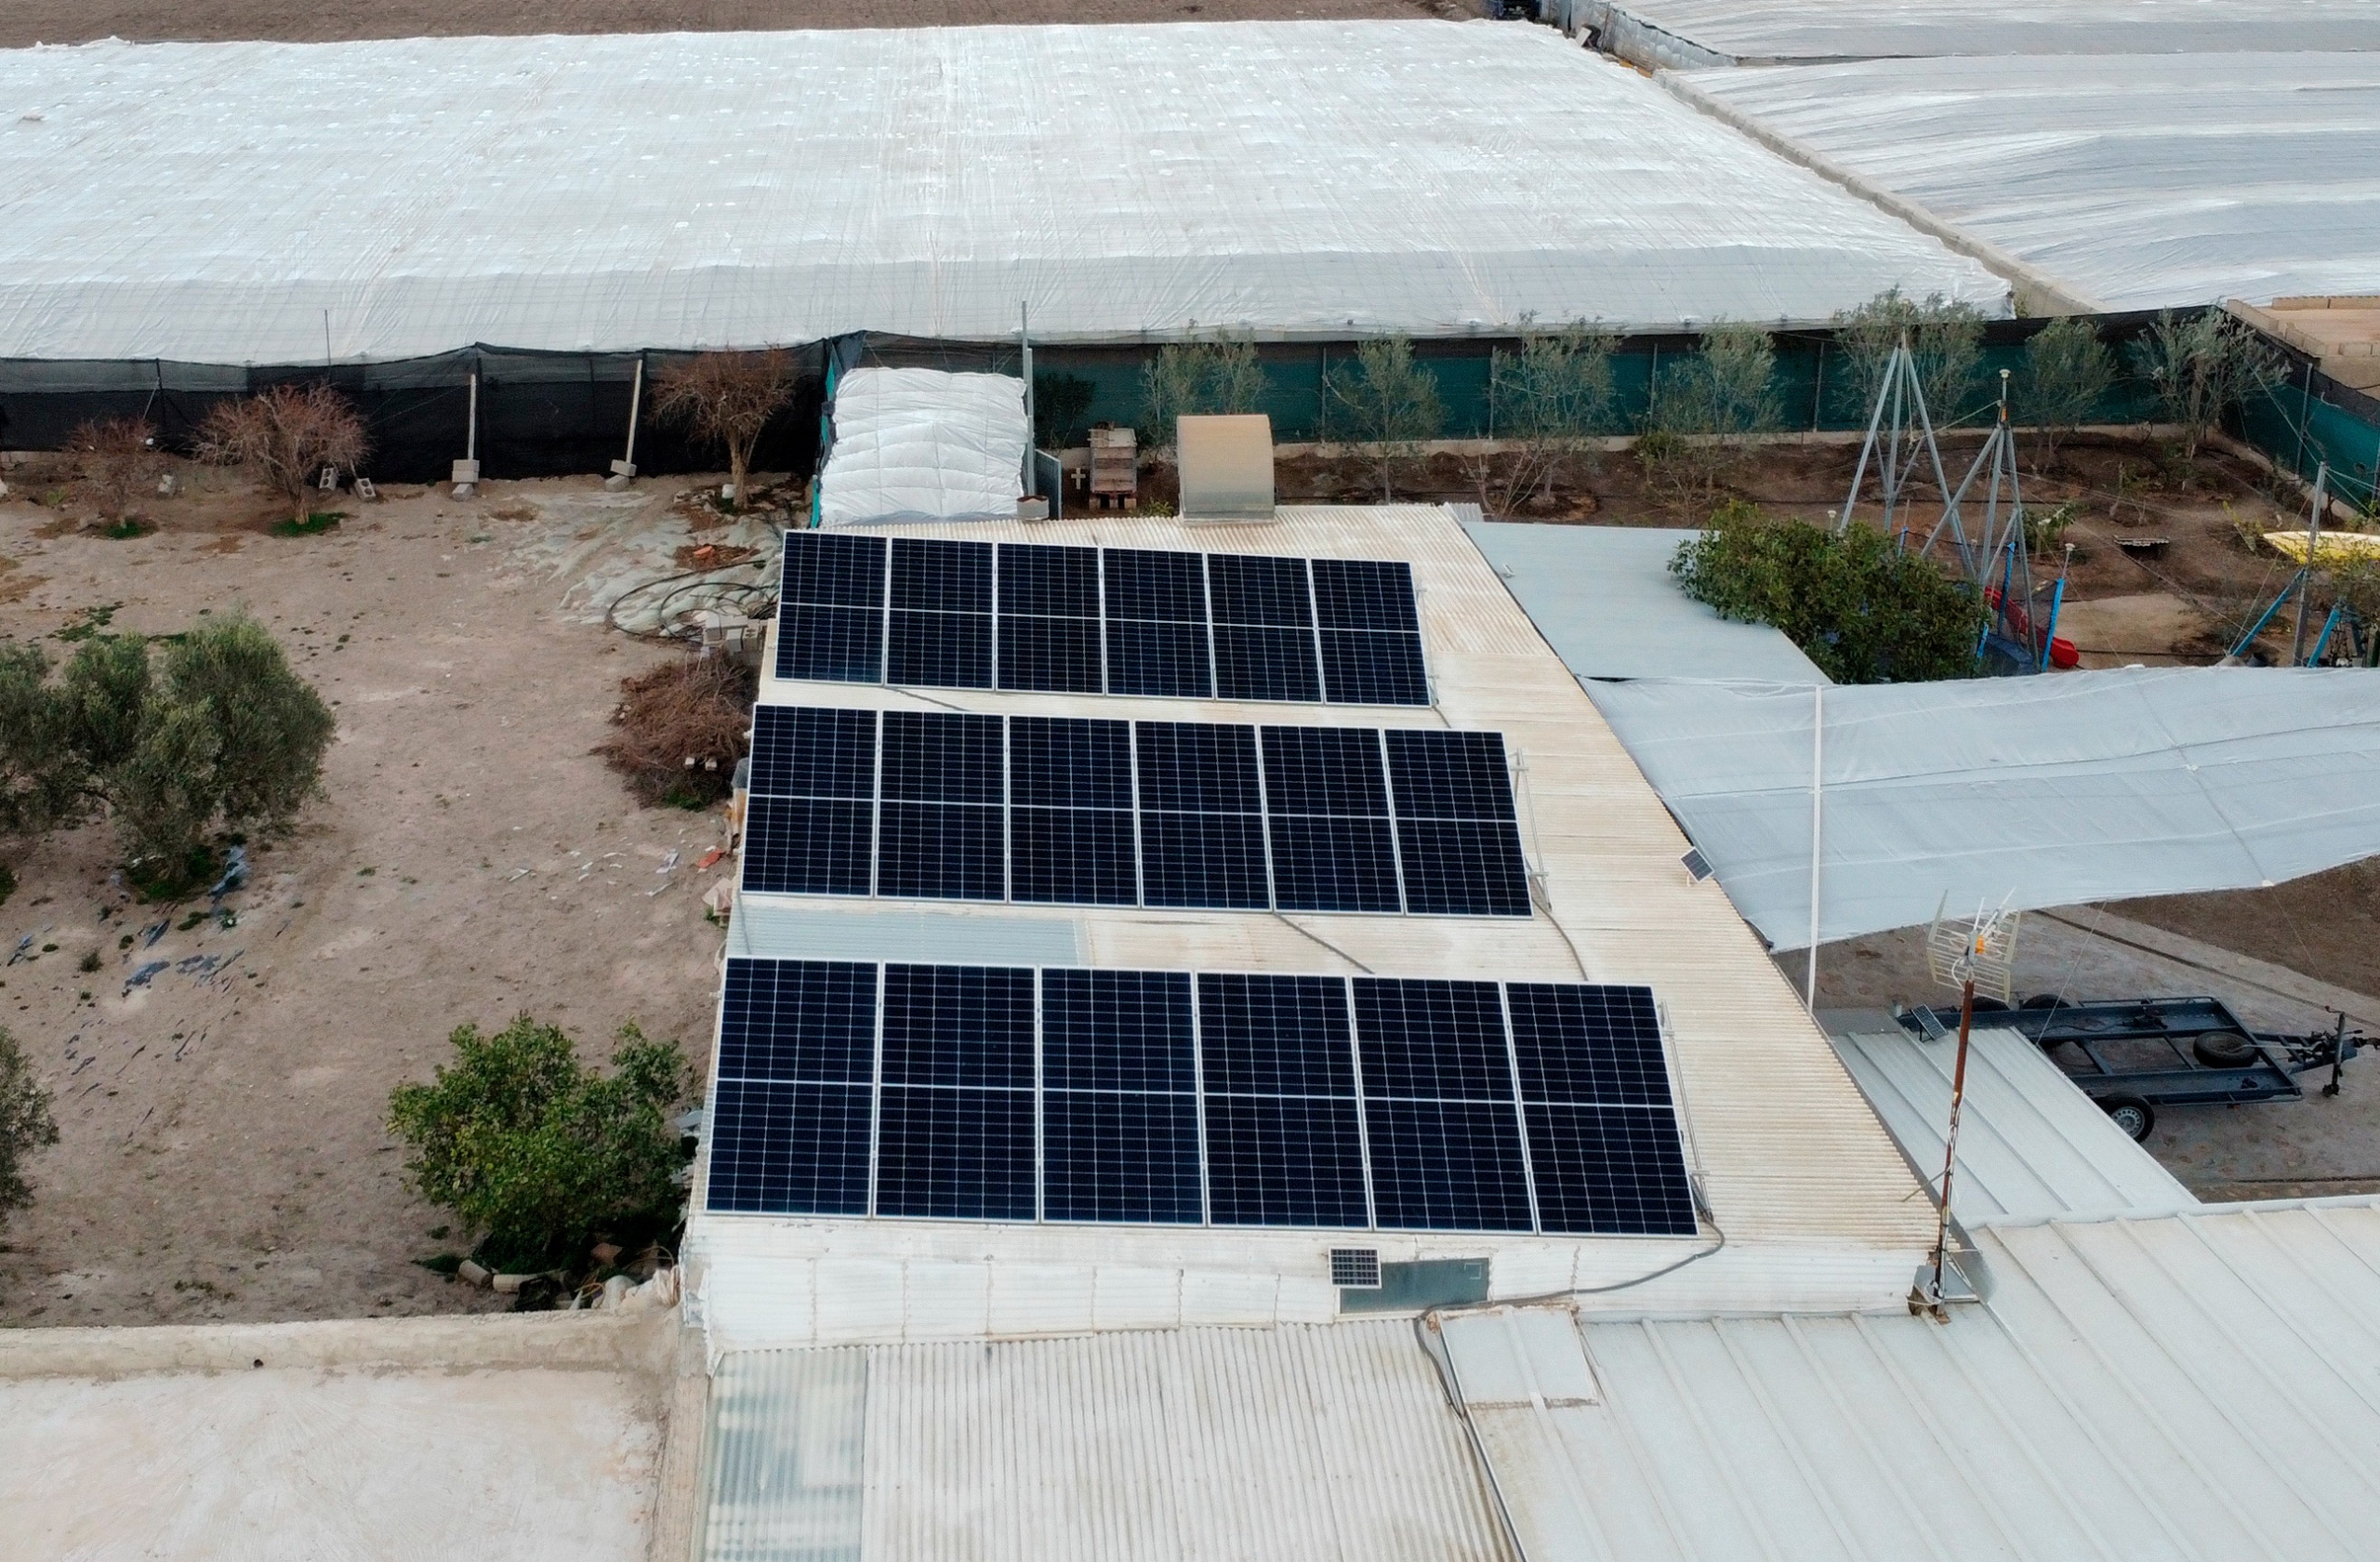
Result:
1226,466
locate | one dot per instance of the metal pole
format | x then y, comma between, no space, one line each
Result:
1950,1146
1024,344
471,437
2306,571
1817,821
636,404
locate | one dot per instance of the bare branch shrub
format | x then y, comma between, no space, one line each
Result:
287,434
118,458
682,726
726,399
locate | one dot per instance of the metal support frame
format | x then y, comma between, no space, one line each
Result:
1900,434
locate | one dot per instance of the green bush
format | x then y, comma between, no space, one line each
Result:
538,1152
1387,402
1945,339
212,731
2067,368
1864,611
25,1124
1198,380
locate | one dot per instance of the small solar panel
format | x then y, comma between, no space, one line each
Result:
830,619
955,1125
1120,1113
1202,825
941,829
1458,839
1326,803
1438,1106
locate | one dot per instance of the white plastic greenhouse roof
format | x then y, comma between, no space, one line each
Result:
2132,182
284,202
1693,33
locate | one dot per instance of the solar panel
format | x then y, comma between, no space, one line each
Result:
1157,624
955,1125
1202,825
1263,613
1049,627
1326,807
941,833
1249,588
1070,818
1438,1106
1284,1138
941,629
1603,1137
1365,594
1120,1109
1308,1101
1370,666
809,826
1457,834
830,619
790,1114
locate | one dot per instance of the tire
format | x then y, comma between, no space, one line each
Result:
2042,1000
2130,1113
2224,1048
1990,1006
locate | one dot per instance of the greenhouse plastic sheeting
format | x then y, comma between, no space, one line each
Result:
920,444
2037,792
1693,33
288,202
2135,181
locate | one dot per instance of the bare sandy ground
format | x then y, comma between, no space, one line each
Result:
69,21
223,1152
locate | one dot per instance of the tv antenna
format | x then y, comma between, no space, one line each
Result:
1970,954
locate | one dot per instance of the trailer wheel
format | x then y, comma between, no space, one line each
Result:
1990,1006
2042,1000
2224,1048
2130,1113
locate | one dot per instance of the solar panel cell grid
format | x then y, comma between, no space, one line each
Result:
830,644
1161,659
1447,1166
1050,655
1121,1118
1265,663
1253,590
804,752
943,756
1276,1035
780,1148
942,577
790,1020
1577,1043
939,650
1365,594
958,1026
1370,666
834,569
1049,582
1143,584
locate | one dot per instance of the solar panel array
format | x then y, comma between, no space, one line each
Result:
1151,1098
926,611
1076,811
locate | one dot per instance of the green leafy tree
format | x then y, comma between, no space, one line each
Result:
1863,610
41,774
535,1150
1198,380
1708,404
2067,370
25,1124
1549,398
1389,403
2202,366
1945,337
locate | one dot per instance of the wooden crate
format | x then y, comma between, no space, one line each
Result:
1114,469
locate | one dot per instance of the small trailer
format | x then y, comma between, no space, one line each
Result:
2135,1055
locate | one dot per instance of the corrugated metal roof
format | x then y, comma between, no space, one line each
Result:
2031,1144
1299,1444
1604,598
1788,1151
2196,1386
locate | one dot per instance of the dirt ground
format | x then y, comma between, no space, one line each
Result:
72,22
222,1154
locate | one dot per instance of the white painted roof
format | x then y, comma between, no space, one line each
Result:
2133,181
2031,1145
284,202
1688,32
1818,1207
1604,598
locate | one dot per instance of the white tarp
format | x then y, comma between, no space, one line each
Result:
2134,181
2050,790
285,202
1692,33
920,444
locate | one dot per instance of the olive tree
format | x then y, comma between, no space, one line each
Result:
1709,403
1197,380
1390,404
1945,339
726,399
2067,370
2202,366
25,1124
1549,397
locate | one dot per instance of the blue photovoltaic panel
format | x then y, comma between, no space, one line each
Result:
1049,582
1070,821
788,1125
1143,584
1365,594
1603,1137
1456,838
1049,627
1202,827
941,614
1284,1140
941,832
954,1126
1326,805
1263,613
830,620
1120,1109
1157,624
1368,666
1245,588
933,576
1438,1106
809,823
